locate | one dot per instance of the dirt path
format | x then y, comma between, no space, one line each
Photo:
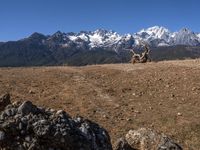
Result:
118,96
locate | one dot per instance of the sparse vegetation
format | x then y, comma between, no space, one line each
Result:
163,96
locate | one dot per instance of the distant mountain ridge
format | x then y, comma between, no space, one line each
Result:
99,46
155,36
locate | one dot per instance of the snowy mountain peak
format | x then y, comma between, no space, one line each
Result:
155,36
198,35
185,37
101,32
185,30
156,31
161,36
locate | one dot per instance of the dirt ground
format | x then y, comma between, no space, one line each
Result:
164,96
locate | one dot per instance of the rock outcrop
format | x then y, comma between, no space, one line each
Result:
24,126
146,139
28,127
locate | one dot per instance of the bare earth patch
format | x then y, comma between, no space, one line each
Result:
164,96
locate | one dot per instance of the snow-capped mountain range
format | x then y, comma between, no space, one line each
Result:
100,46
160,36
155,36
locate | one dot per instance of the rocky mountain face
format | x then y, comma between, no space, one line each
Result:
154,36
91,47
160,36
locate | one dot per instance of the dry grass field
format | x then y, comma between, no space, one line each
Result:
164,96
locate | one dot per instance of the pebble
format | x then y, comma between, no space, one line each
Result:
28,138
20,126
59,112
179,114
26,108
2,135
138,112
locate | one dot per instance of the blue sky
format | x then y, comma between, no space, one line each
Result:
20,18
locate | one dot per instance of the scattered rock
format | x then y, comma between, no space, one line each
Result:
172,95
2,136
167,86
26,108
134,94
128,119
31,92
146,139
179,114
4,101
150,108
122,144
137,112
28,127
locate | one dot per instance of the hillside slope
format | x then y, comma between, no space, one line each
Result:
163,96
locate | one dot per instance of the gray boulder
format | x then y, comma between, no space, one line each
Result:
146,139
36,128
27,107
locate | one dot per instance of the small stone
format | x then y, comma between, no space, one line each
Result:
138,112
17,116
105,116
172,95
179,114
4,101
59,112
2,135
26,108
52,110
128,119
122,144
194,88
3,116
62,140
31,92
167,86
22,132
20,126
16,103
28,138
43,121
8,112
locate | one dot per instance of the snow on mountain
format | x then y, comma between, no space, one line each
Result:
72,37
185,37
103,38
156,32
98,38
155,36
198,35
160,36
